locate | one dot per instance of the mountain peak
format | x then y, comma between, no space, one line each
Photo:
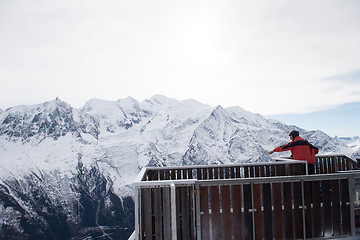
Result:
161,99
100,105
128,98
128,103
219,108
219,111
56,103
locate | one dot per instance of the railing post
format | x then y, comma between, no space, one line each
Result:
173,211
137,199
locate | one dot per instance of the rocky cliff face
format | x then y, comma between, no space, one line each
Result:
67,173
49,120
40,205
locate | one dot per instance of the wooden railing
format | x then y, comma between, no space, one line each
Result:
205,172
330,163
248,201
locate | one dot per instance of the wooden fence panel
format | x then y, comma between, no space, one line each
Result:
345,207
146,217
237,213
185,213
326,188
215,212
204,213
317,226
298,211
258,224
248,219
267,213
226,216
156,192
179,212
288,213
167,212
308,209
336,218
278,211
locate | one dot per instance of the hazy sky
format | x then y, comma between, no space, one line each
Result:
269,57
340,121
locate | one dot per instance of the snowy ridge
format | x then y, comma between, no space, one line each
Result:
97,151
352,142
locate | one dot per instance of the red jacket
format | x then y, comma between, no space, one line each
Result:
300,149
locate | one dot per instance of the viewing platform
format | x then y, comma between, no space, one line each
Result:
272,200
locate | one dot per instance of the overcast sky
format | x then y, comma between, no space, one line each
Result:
269,57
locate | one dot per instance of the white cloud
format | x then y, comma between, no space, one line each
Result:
255,54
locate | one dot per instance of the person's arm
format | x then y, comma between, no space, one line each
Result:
282,148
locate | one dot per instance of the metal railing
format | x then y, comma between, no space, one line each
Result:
248,201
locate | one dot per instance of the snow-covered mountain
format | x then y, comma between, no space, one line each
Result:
352,142
67,173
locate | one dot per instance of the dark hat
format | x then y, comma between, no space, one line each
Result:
294,133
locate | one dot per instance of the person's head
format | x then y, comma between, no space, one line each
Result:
293,134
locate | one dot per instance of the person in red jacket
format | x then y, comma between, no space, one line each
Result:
300,149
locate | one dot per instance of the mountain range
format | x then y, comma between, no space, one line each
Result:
67,173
